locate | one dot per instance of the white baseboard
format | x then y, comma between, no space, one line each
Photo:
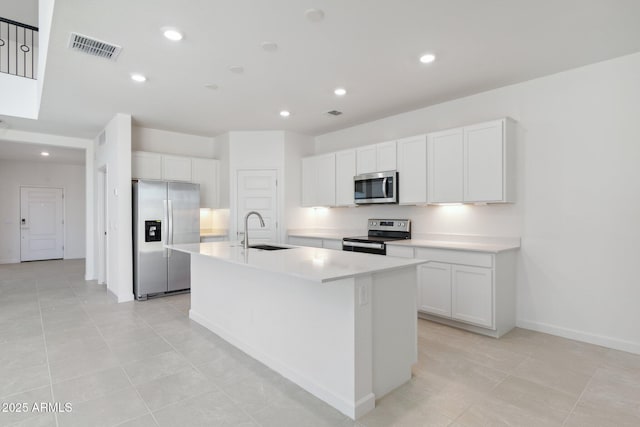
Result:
614,343
126,298
9,261
350,409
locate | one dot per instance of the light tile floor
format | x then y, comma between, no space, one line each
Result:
63,339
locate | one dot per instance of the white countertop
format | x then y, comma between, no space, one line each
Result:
213,232
461,246
316,264
330,234
476,243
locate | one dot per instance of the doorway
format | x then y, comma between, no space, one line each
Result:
41,223
257,191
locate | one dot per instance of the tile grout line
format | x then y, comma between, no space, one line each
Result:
579,398
120,365
46,350
196,368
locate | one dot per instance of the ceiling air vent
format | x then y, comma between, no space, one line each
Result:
334,112
94,47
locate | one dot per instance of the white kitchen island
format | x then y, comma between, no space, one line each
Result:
342,325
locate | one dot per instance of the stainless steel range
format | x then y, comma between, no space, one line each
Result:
379,231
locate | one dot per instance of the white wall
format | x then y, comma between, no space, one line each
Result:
296,147
162,141
115,155
15,174
253,150
19,96
578,207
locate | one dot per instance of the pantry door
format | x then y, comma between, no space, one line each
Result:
257,191
41,223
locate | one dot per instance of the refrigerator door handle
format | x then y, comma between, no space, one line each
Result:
170,234
165,224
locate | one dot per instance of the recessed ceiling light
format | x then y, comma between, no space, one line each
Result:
269,46
236,69
314,15
427,58
172,34
340,91
285,113
44,153
211,86
138,78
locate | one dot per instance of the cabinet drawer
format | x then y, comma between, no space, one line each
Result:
478,259
400,251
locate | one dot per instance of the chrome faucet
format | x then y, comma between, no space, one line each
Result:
245,242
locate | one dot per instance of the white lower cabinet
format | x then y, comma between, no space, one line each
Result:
434,290
467,289
316,242
472,295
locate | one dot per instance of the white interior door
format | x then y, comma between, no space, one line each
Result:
41,223
257,191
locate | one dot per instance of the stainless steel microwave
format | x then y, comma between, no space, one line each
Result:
378,187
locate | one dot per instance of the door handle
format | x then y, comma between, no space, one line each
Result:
170,237
165,226
384,187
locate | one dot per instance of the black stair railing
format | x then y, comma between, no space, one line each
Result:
18,48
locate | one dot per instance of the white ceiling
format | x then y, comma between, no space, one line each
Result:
31,153
369,47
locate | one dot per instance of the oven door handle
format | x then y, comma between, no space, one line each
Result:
384,187
363,245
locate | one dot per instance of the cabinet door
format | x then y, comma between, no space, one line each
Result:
472,295
386,156
309,181
176,168
366,159
435,288
484,162
326,180
412,170
345,171
446,164
205,173
146,165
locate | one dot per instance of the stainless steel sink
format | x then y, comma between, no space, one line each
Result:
268,247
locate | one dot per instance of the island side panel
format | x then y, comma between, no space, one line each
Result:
304,330
395,323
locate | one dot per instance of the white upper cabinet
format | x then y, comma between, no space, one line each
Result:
205,172
176,168
386,156
198,170
446,164
412,170
345,171
366,159
376,158
472,164
487,164
319,180
146,165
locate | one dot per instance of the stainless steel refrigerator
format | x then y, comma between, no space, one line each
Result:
163,213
